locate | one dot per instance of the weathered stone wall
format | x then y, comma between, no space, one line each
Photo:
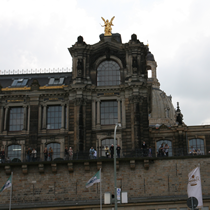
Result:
164,178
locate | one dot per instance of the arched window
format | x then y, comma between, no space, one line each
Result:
108,73
56,150
14,153
163,144
196,146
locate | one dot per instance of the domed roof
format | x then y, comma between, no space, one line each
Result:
163,111
150,56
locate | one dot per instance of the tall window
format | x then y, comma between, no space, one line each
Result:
197,145
14,152
109,112
165,143
16,118
108,73
54,114
56,150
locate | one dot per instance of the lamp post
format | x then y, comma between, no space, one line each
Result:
115,173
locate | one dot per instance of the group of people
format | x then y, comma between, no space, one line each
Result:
48,153
69,153
110,151
193,151
163,150
31,154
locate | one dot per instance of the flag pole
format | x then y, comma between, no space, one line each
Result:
100,191
11,192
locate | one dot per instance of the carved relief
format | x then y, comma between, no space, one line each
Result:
79,67
136,99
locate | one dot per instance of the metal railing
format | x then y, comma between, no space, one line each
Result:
101,154
34,71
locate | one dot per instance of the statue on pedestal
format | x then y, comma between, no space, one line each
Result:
107,25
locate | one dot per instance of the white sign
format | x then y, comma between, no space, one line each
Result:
118,194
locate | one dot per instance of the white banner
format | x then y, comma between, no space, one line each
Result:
194,188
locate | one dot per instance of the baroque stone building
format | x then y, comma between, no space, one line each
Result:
109,84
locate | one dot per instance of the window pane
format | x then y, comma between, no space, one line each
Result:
109,112
16,118
54,114
108,73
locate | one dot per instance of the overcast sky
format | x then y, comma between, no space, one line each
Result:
35,34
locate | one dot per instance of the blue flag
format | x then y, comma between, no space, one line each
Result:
7,184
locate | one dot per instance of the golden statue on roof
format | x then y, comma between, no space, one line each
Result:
107,25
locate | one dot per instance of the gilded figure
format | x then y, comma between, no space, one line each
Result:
107,26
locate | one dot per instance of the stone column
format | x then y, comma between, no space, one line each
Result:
24,117
44,115
2,119
123,113
93,114
63,117
5,117
119,111
98,113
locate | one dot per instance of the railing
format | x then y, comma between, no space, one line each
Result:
34,71
101,154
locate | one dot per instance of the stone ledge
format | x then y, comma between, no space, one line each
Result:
99,165
70,167
41,168
25,169
87,166
54,167
132,164
7,170
146,164
117,165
